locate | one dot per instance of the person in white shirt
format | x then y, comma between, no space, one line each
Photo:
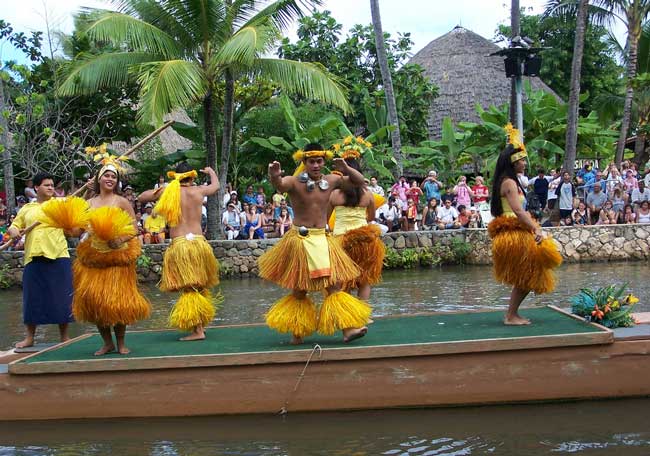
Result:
388,215
640,194
448,216
231,222
375,188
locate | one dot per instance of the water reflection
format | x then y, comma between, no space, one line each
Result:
451,289
603,428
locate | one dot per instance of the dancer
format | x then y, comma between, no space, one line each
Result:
189,265
309,259
354,208
105,281
523,257
47,278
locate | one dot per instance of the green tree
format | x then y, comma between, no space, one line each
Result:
178,52
353,59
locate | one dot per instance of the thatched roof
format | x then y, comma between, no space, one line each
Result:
169,139
459,63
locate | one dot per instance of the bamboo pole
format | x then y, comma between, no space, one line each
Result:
138,145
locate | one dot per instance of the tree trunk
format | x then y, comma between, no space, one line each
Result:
8,166
514,31
640,145
226,139
632,45
211,149
574,92
388,85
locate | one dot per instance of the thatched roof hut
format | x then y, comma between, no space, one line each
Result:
459,63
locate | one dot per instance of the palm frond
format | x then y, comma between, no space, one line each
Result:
89,73
307,79
282,13
167,85
120,29
244,46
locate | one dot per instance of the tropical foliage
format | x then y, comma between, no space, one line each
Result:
608,306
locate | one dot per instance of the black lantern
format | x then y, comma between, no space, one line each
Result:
513,67
532,65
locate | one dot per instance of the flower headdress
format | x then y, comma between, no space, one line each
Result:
169,204
108,161
514,139
300,156
351,147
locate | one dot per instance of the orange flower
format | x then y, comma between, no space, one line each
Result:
597,313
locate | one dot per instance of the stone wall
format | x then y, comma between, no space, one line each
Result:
239,258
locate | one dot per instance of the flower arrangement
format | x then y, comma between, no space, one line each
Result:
102,156
608,306
351,147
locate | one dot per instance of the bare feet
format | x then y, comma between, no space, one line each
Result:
194,336
515,320
123,351
27,342
351,334
295,340
105,349
65,339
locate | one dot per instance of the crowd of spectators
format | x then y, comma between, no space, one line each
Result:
593,197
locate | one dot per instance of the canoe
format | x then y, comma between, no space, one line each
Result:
404,361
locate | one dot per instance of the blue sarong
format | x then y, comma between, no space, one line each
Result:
47,291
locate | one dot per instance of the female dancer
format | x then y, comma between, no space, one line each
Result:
522,255
105,281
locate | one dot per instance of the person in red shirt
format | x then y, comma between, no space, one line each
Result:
481,191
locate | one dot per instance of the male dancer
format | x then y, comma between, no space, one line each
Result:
309,259
189,264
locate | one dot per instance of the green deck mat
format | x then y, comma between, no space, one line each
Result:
388,331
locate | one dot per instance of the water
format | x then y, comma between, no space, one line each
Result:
616,427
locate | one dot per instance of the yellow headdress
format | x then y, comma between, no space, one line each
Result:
108,161
300,156
169,204
514,139
351,147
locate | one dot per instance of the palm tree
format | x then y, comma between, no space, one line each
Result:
179,51
574,91
382,60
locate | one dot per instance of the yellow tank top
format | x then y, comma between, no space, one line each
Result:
349,218
507,210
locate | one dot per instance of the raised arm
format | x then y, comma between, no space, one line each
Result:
214,186
351,177
282,184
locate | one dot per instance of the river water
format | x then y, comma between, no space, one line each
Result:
617,427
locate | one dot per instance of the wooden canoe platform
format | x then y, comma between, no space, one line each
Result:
406,361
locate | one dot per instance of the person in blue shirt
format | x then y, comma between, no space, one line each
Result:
249,197
277,210
431,186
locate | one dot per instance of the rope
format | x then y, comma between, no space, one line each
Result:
284,410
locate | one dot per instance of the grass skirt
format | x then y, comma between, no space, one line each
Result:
192,309
189,264
518,260
293,315
365,247
105,284
286,265
341,310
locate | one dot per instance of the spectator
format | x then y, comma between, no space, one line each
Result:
619,199
646,178
613,178
448,195
410,221
474,218
630,182
581,215
30,193
161,182
463,216
640,194
3,209
129,195
414,193
463,193
643,214
226,194
430,215
234,200
139,226
480,190
389,215
148,209
154,229
447,216
599,179
401,187
540,184
231,222
628,214
283,204
285,220
249,196
375,188
268,221
277,198
595,201
431,186
59,191
260,199
565,192
253,226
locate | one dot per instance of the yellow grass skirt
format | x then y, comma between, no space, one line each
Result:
286,265
365,247
105,284
189,264
520,261
341,310
293,315
192,309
